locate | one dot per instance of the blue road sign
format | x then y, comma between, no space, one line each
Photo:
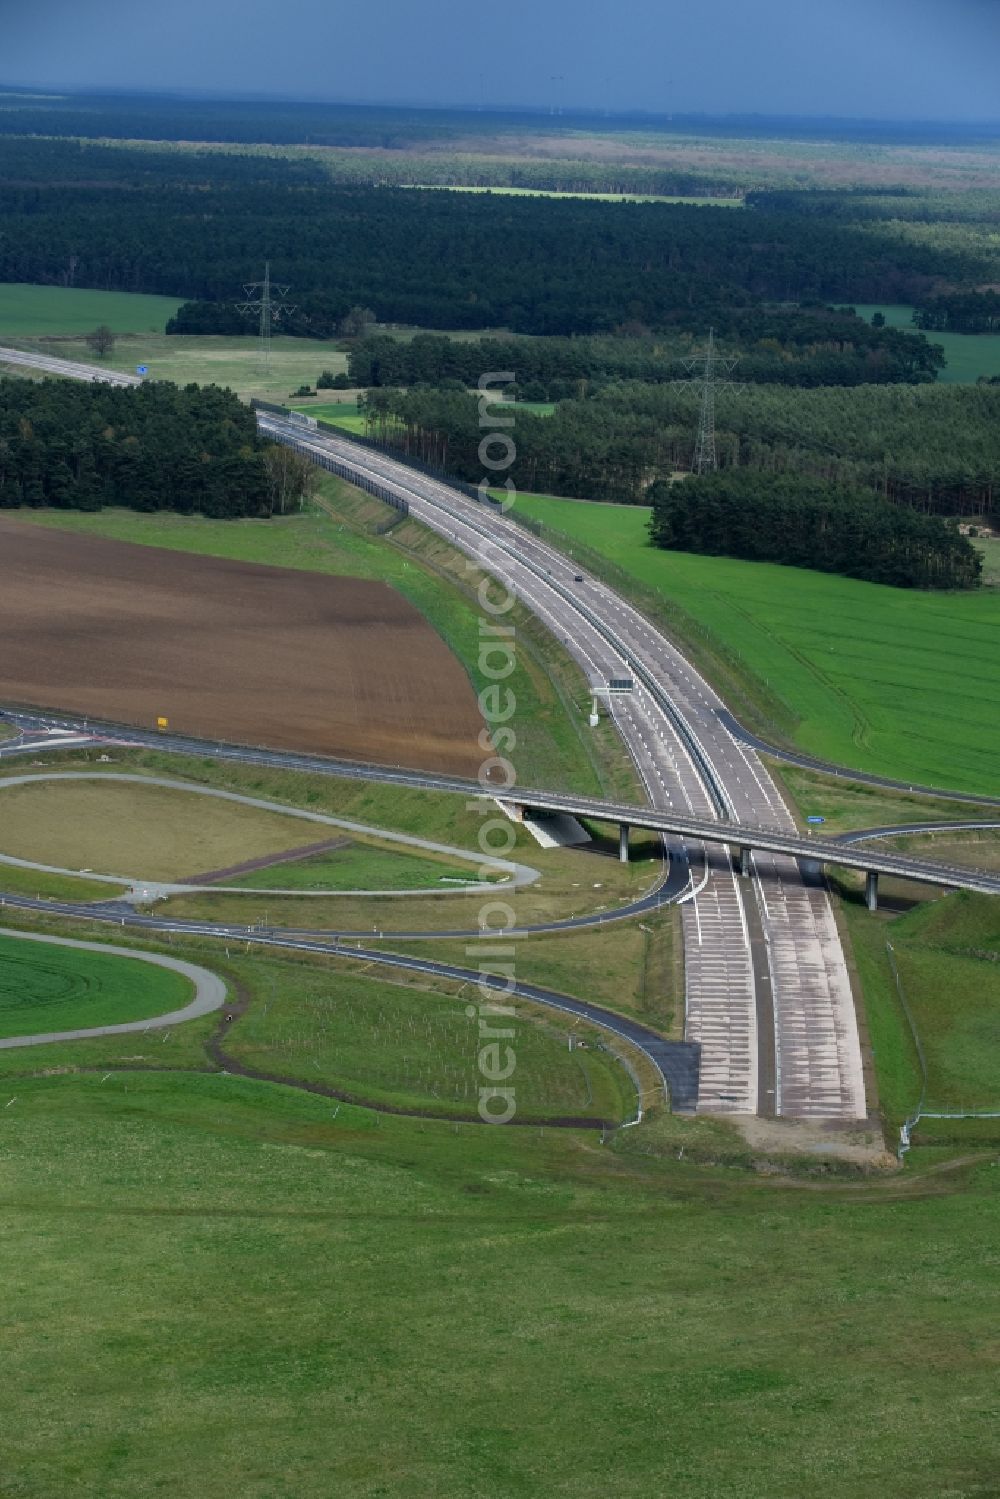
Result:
815,819
142,369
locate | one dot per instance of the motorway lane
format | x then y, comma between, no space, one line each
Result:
689,759
68,368
720,999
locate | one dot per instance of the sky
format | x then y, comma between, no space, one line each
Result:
894,59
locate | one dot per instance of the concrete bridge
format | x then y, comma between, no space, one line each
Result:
746,838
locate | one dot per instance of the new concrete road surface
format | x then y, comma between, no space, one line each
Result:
768,994
209,992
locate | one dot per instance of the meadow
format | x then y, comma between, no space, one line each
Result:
348,414
53,311
44,988
883,680
416,1049
162,833
227,1286
54,320
946,959
360,866
969,355
156,832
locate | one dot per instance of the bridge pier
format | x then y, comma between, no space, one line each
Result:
871,890
623,836
745,866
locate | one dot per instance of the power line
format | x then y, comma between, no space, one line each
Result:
267,299
704,371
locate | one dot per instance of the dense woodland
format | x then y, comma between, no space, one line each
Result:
960,312
434,259
153,447
934,449
810,348
811,524
600,306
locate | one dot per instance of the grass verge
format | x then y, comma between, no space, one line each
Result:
885,680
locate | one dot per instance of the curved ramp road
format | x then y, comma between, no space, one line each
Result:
675,1062
768,995
516,875
844,772
209,992
816,850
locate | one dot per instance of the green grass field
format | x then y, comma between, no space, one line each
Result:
359,867
151,832
969,355
990,548
415,1049
208,360
45,988
221,1287
946,955
636,967
340,413
900,683
347,414
847,805
44,311
162,833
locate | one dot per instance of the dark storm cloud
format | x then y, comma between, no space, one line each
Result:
899,58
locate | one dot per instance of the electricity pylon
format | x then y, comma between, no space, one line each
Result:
704,370
267,299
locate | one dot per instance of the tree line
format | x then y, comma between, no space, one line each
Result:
810,348
931,448
80,446
959,312
810,523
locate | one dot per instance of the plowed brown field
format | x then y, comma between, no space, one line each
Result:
229,650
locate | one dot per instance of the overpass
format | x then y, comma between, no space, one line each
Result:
748,838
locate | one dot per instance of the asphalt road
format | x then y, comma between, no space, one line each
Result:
843,772
676,1062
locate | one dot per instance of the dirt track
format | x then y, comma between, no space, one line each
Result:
232,650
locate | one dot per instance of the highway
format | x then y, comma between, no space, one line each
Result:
768,997
39,736
46,364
